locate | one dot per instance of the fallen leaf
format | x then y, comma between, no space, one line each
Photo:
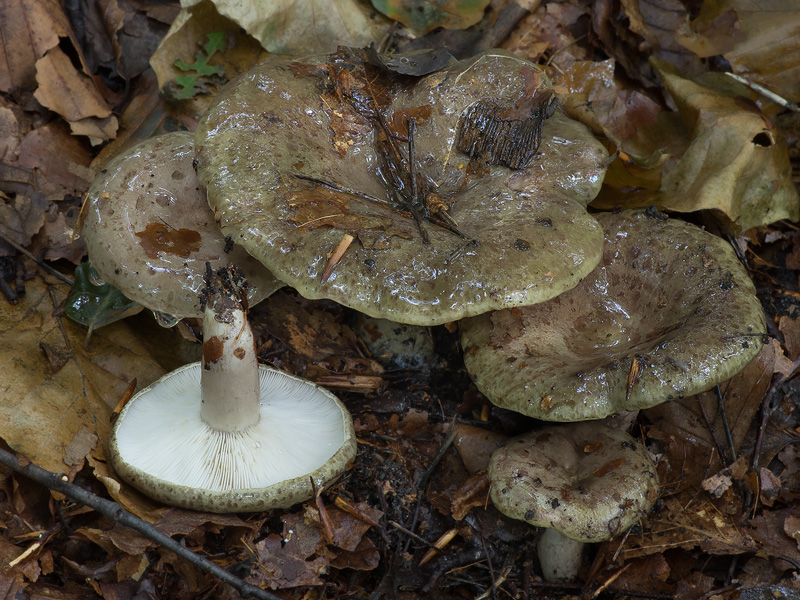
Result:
775,534
732,159
56,239
701,525
48,162
307,26
74,95
321,206
546,34
423,16
20,220
94,305
27,31
759,42
790,328
42,411
67,91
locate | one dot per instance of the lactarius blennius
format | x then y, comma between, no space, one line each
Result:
669,312
149,230
310,159
227,434
584,482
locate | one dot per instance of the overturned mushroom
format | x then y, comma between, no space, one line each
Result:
348,183
585,481
227,435
669,312
149,230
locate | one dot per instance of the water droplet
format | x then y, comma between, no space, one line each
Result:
256,445
94,277
165,320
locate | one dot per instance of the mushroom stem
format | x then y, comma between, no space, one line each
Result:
559,556
229,379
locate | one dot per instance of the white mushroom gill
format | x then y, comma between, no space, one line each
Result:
299,430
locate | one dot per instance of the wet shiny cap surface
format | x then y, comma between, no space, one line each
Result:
669,312
149,230
282,128
587,481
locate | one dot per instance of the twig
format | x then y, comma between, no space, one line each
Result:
725,424
411,534
768,406
41,263
112,510
765,92
424,479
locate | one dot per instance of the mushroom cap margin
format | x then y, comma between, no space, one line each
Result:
572,358
281,494
587,481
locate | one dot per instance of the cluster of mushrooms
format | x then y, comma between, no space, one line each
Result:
457,195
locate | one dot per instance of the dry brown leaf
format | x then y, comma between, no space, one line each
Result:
699,523
47,162
790,328
74,95
117,537
684,423
43,407
731,160
304,27
65,90
56,238
547,33
28,29
775,533
758,41
20,220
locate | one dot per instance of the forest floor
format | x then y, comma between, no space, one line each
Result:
83,81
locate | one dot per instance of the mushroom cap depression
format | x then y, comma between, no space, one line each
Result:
669,312
286,144
149,230
162,447
587,481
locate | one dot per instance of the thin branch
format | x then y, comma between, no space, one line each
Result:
112,510
41,263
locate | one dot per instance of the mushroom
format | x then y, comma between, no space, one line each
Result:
227,434
149,230
379,192
669,312
586,482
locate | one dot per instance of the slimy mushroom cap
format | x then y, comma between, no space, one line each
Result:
282,152
149,230
669,312
587,481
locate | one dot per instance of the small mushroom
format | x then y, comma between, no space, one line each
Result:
377,191
669,312
585,481
226,434
149,230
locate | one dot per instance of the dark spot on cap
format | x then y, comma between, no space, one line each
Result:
522,245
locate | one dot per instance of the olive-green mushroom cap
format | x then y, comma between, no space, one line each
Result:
534,237
149,230
587,481
161,445
669,312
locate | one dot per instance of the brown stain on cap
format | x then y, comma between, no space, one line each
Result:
158,237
